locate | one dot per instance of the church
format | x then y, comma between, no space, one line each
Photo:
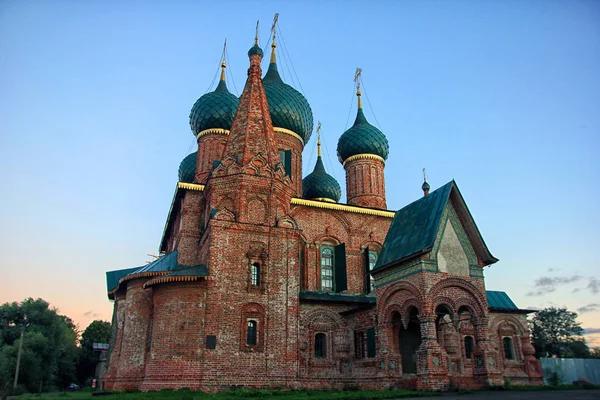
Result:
266,280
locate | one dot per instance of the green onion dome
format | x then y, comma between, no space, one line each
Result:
362,138
425,186
288,107
187,168
255,50
319,185
214,110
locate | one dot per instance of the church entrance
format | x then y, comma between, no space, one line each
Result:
409,340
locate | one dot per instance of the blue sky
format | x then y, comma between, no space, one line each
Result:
502,96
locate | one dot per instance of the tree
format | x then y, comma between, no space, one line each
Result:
556,332
96,332
49,350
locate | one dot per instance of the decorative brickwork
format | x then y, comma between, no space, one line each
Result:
365,183
278,294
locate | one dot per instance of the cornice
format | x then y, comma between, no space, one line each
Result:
291,133
218,131
190,186
363,156
342,207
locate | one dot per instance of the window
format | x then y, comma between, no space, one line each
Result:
508,348
372,262
320,345
251,338
371,352
359,344
286,159
255,274
468,347
327,269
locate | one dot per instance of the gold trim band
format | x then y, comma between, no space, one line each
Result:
190,186
324,199
219,131
363,156
342,207
287,131
168,279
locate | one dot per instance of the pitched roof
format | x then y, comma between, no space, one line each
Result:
414,228
164,266
499,301
113,277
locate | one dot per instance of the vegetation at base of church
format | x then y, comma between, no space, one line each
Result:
186,394
556,332
50,356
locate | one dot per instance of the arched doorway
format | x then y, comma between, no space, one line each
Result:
409,340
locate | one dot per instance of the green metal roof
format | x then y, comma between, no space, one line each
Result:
199,270
499,301
289,109
319,184
161,264
113,277
362,138
214,110
167,263
338,297
414,227
187,168
255,50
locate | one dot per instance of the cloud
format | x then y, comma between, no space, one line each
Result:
588,308
547,284
591,331
594,286
87,314
540,292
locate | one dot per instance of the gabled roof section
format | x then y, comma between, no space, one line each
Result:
113,277
500,302
163,266
414,228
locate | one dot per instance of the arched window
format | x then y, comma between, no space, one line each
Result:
320,345
508,348
251,337
469,344
255,274
326,268
372,261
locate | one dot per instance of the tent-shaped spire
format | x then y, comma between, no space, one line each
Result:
252,131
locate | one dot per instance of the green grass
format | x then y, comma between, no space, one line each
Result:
184,394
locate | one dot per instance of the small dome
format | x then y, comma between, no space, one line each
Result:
320,185
214,110
425,186
187,168
288,107
362,138
255,50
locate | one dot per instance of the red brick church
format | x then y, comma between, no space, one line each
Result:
267,281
